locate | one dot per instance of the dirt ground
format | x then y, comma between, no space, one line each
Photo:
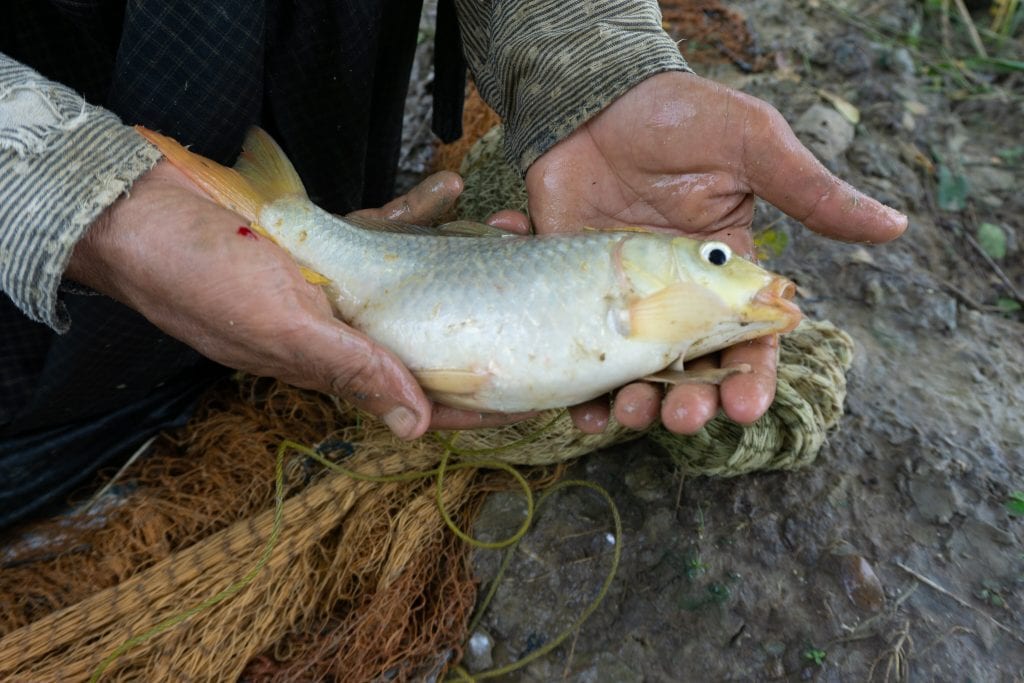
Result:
899,554
896,556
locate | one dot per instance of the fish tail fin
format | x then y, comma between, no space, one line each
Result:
261,175
225,185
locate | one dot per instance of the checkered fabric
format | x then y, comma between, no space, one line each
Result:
328,79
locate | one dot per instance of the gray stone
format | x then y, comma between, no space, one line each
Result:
479,652
901,62
825,131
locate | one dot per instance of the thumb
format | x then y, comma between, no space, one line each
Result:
781,170
352,366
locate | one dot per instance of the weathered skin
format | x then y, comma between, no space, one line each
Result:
525,323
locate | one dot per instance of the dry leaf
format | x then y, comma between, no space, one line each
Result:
849,112
913,155
915,107
863,256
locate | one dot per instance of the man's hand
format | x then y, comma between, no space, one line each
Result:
197,272
678,152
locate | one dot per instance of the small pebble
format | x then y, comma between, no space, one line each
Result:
478,655
902,63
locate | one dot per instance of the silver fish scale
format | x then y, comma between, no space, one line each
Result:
538,317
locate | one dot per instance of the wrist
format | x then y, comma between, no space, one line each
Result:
86,265
558,97
111,241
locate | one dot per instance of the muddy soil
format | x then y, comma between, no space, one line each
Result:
894,557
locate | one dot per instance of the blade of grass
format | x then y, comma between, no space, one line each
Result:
972,30
1000,63
926,52
947,41
1002,20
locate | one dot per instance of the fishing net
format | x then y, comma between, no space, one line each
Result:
712,31
364,580
477,119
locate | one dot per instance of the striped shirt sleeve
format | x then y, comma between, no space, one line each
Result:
62,161
548,66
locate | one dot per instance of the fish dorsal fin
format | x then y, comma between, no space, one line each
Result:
621,228
388,225
264,164
454,229
472,229
225,185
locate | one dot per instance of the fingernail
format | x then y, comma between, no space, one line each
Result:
401,421
895,215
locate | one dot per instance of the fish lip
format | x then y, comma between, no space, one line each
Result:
777,297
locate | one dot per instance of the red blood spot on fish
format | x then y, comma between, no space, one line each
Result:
246,232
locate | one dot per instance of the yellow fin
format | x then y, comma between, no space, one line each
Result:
634,229
225,185
261,175
264,164
620,228
312,276
452,382
679,312
261,231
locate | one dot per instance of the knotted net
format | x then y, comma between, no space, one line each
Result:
365,581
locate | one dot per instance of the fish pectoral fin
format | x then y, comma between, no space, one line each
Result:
678,312
452,382
706,376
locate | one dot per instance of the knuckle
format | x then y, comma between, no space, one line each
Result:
360,375
764,117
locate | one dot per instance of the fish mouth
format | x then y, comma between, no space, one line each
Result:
773,303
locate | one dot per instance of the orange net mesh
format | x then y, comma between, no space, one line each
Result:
366,580
477,119
711,32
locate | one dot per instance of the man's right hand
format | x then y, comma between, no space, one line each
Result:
197,272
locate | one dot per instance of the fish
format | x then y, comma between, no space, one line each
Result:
493,322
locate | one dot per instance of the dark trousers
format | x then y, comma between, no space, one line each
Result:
74,403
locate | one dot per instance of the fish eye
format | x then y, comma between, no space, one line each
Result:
716,253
